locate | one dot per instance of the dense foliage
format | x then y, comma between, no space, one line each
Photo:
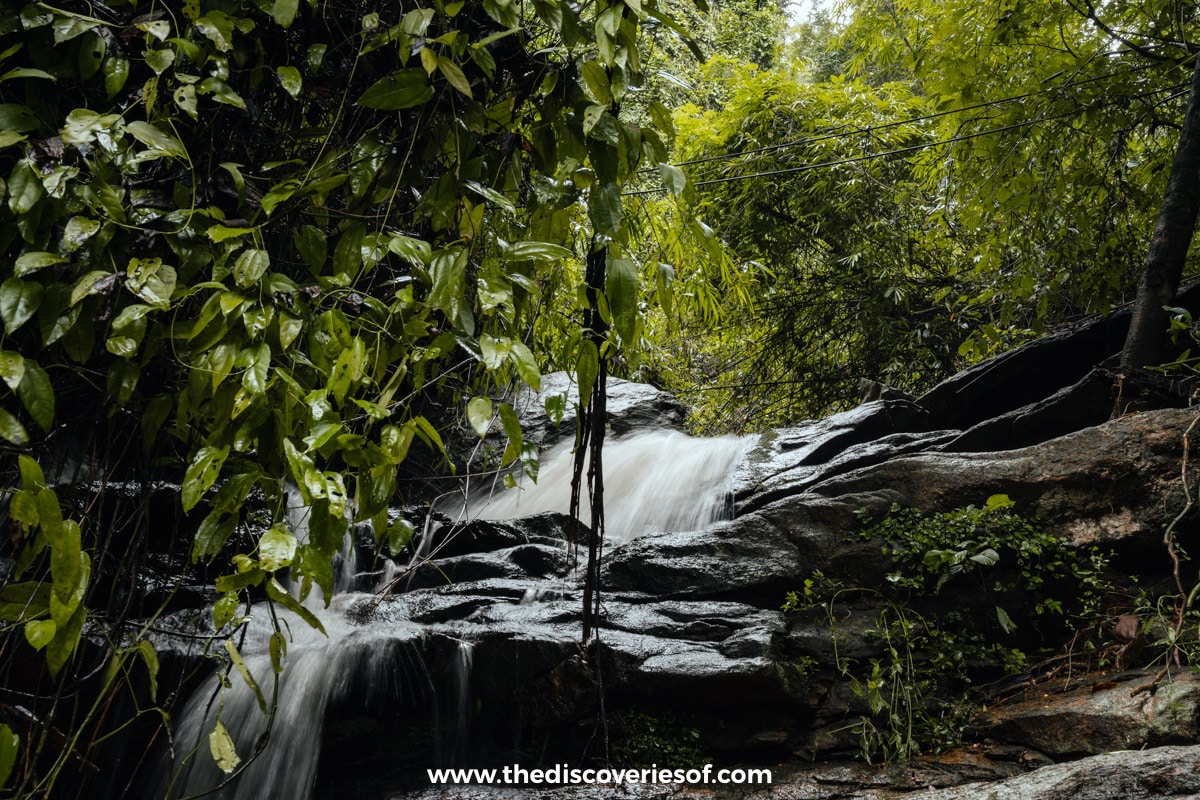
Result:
255,244
922,185
248,244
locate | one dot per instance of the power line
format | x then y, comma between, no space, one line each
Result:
840,132
901,150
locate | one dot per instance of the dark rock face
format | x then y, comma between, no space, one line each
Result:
631,406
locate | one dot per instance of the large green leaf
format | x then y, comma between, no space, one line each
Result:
621,290
37,394
404,89
10,746
250,266
19,300
479,414
284,12
604,209
201,473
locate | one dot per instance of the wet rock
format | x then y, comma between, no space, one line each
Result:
799,478
481,536
1155,774
631,406
784,458
1115,483
720,561
1029,374
1098,718
1086,403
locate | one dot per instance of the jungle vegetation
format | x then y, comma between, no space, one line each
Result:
253,243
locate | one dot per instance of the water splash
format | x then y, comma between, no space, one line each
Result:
656,481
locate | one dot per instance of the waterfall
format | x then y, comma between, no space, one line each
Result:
456,733
318,670
655,481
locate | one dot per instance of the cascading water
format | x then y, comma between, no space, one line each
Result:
319,669
656,481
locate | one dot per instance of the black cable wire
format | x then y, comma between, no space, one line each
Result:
840,132
904,150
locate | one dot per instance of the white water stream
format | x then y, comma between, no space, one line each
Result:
655,481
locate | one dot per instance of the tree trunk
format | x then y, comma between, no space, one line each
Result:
1169,246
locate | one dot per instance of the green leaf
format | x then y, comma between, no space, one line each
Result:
414,251
998,501
454,75
32,477
493,350
479,414
537,251
621,290
250,266
595,79
37,395
278,650
12,430
664,279
156,139
219,233
9,138
78,231
25,188
26,72
18,118
148,654
522,358
449,270
399,534
289,77
394,442
512,430
220,744
12,368
1006,622
604,209
185,98
40,632
673,178
556,408
313,247
276,548
10,745
66,639
211,536
587,369
224,609
247,676
404,89
284,12
279,595
202,473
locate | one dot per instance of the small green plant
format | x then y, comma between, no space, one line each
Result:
641,740
1006,576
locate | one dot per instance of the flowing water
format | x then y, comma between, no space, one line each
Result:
656,481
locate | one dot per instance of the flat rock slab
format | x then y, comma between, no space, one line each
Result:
1099,718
